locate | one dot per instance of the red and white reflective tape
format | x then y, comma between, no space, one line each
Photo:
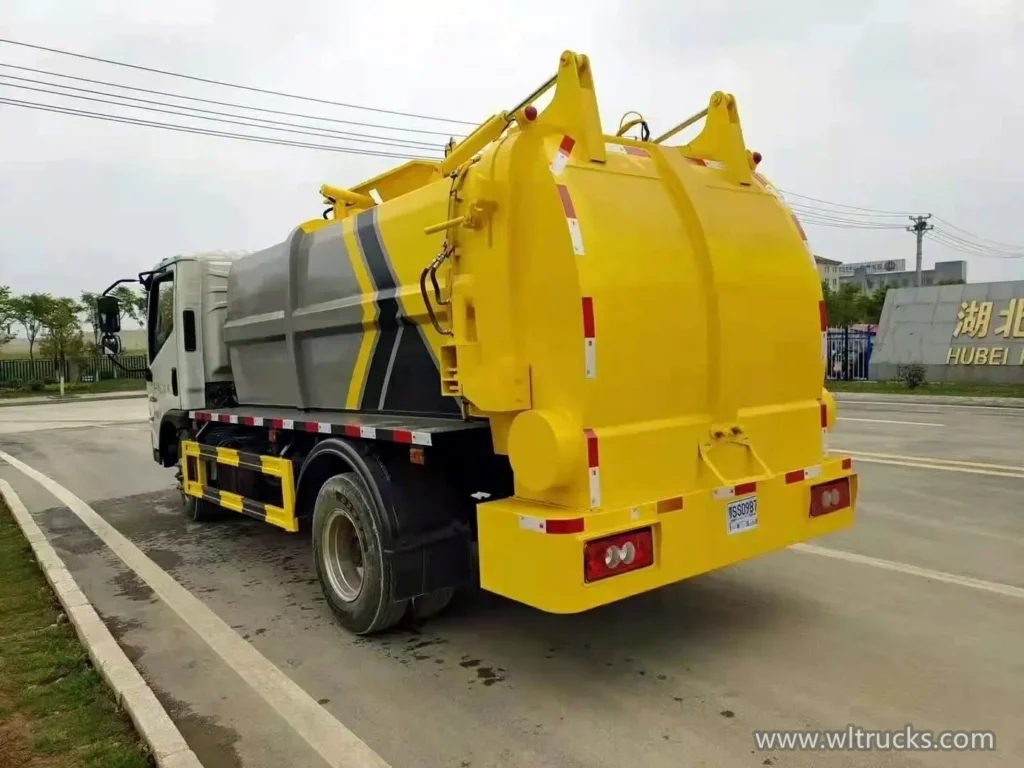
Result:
823,326
554,525
624,149
803,237
589,339
570,216
800,228
714,164
732,491
561,158
408,436
594,468
799,475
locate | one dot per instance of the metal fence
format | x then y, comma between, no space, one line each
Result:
132,367
24,371
849,354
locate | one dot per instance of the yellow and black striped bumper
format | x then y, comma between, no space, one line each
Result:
194,482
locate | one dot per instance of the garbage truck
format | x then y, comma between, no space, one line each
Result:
566,366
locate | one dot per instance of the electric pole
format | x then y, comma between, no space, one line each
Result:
919,228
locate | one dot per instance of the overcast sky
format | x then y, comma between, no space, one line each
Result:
892,105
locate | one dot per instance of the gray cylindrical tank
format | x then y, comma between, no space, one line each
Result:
294,318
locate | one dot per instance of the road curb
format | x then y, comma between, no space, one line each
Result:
894,399
10,402
132,692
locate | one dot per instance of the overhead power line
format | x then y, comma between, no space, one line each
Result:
941,237
247,123
216,102
819,212
206,132
877,211
225,84
977,244
978,237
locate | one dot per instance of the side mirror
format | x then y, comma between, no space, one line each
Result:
108,314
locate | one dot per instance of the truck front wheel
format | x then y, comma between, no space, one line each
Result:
354,574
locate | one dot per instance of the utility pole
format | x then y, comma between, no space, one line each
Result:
919,228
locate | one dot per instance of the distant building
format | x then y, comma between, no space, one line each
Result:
828,271
870,278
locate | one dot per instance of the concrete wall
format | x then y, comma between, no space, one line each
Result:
969,332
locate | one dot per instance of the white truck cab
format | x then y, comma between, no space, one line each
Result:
188,365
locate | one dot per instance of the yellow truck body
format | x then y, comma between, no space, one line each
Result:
641,324
626,337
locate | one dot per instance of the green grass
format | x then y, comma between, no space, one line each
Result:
945,388
78,388
55,710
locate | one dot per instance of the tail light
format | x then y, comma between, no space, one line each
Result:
617,554
829,497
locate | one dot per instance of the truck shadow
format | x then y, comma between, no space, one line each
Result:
487,638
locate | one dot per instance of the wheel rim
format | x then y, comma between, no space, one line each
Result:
342,552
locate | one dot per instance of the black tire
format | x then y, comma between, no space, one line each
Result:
200,510
348,552
431,604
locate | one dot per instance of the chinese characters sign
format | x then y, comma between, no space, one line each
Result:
975,320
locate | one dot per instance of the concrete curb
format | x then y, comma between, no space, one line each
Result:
9,402
133,694
980,402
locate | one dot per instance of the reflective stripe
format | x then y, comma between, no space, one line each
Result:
575,234
732,491
554,526
593,468
407,436
561,158
622,149
799,475
589,339
714,164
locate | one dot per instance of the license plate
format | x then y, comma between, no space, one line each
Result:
741,515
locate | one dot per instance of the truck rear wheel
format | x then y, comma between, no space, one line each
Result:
197,510
200,510
354,574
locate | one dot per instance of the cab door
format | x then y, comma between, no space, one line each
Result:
162,384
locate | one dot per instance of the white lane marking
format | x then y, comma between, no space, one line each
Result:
932,460
1006,590
888,421
943,467
335,743
910,406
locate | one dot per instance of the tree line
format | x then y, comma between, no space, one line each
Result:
54,326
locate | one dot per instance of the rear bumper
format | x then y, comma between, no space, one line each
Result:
520,560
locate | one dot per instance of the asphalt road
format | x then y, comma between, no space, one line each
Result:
801,639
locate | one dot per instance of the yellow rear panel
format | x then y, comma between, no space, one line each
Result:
639,323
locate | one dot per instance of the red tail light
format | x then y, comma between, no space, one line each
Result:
829,497
617,554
